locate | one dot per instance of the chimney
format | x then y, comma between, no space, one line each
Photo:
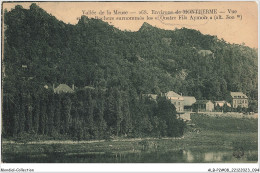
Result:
53,86
73,87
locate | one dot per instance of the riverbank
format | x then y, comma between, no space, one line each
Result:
202,140
229,114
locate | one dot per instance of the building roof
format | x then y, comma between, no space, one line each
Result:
63,88
204,52
238,95
222,103
173,95
228,104
189,100
154,96
202,102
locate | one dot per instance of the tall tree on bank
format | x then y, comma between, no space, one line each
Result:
66,108
21,114
51,111
36,113
43,114
29,112
57,115
126,125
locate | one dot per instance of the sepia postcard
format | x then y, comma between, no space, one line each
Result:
129,82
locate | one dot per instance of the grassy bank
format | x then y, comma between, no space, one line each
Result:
206,134
224,124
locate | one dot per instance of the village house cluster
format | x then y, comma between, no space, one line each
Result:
190,104
184,104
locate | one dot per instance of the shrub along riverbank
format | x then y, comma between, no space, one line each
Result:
238,134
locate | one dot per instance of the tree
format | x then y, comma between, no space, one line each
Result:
21,114
156,128
218,108
66,108
167,112
101,123
57,115
51,111
252,106
239,109
36,113
119,113
126,125
29,109
74,130
226,108
43,109
90,106
110,114
5,119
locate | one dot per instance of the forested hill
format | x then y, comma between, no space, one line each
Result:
40,50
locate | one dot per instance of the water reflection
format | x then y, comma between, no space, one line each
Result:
179,156
218,156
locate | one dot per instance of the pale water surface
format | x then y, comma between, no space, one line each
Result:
180,156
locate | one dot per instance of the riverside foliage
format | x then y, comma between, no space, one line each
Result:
88,114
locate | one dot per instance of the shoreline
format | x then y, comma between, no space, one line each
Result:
89,141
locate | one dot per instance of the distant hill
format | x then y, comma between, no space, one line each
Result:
39,50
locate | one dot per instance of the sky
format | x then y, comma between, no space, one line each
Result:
238,30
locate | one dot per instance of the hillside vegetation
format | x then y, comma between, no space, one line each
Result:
41,50
151,60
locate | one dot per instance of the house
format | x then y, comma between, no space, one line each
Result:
188,102
150,96
239,99
63,88
205,52
222,103
203,106
177,100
